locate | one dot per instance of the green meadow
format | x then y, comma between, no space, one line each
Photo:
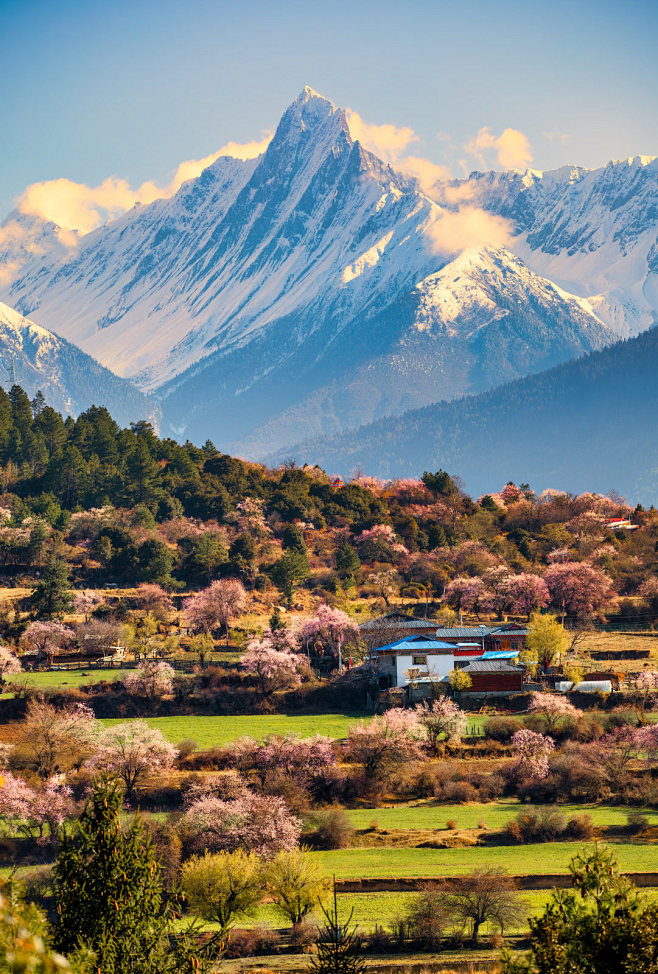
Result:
214,731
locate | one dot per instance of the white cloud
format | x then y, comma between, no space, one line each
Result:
452,231
76,206
8,270
458,223
387,141
429,174
511,148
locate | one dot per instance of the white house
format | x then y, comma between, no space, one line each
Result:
412,659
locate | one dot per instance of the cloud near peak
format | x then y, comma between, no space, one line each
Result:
387,141
76,206
512,148
457,223
451,231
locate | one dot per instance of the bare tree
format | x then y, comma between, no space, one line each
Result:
486,896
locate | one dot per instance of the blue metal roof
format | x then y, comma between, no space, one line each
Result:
500,654
414,644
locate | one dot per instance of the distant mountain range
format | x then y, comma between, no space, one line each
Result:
70,380
314,289
586,425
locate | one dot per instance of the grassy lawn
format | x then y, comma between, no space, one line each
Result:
67,678
428,815
549,857
217,731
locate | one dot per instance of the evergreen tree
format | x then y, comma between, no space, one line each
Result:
600,926
347,560
292,539
340,950
277,621
38,404
52,597
109,895
142,468
291,569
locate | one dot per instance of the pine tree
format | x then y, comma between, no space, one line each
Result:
347,560
109,895
340,950
52,597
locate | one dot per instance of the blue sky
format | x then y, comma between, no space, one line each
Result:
96,89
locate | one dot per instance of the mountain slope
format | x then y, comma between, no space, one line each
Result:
586,425
483,319
595,232
300,292
70,380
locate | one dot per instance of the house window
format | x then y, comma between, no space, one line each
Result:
420,660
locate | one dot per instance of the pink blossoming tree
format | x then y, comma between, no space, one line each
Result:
9,664
576,588
214,607
442,718
133,751
153,598
276,669
468,593
47,639
533,752
554,710
393,737
36,813
329,630
255,823
527,593
153,680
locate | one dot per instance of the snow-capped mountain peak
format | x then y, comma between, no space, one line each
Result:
261,283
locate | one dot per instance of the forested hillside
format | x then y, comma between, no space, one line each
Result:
586,425
121,505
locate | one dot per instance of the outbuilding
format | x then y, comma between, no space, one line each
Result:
493,676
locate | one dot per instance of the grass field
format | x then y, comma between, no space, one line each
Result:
496,815
216,731
67,678
523,860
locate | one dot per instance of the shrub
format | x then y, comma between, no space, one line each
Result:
379,941
186,748
249,943
581,827
459,792
537,825
621,718
168,851
636,821
451,824
303,935
332,829
586,729
427,917
500,728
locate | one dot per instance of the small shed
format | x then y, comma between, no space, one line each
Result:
494,676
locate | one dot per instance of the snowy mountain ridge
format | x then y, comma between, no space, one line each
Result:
71,381
309,285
